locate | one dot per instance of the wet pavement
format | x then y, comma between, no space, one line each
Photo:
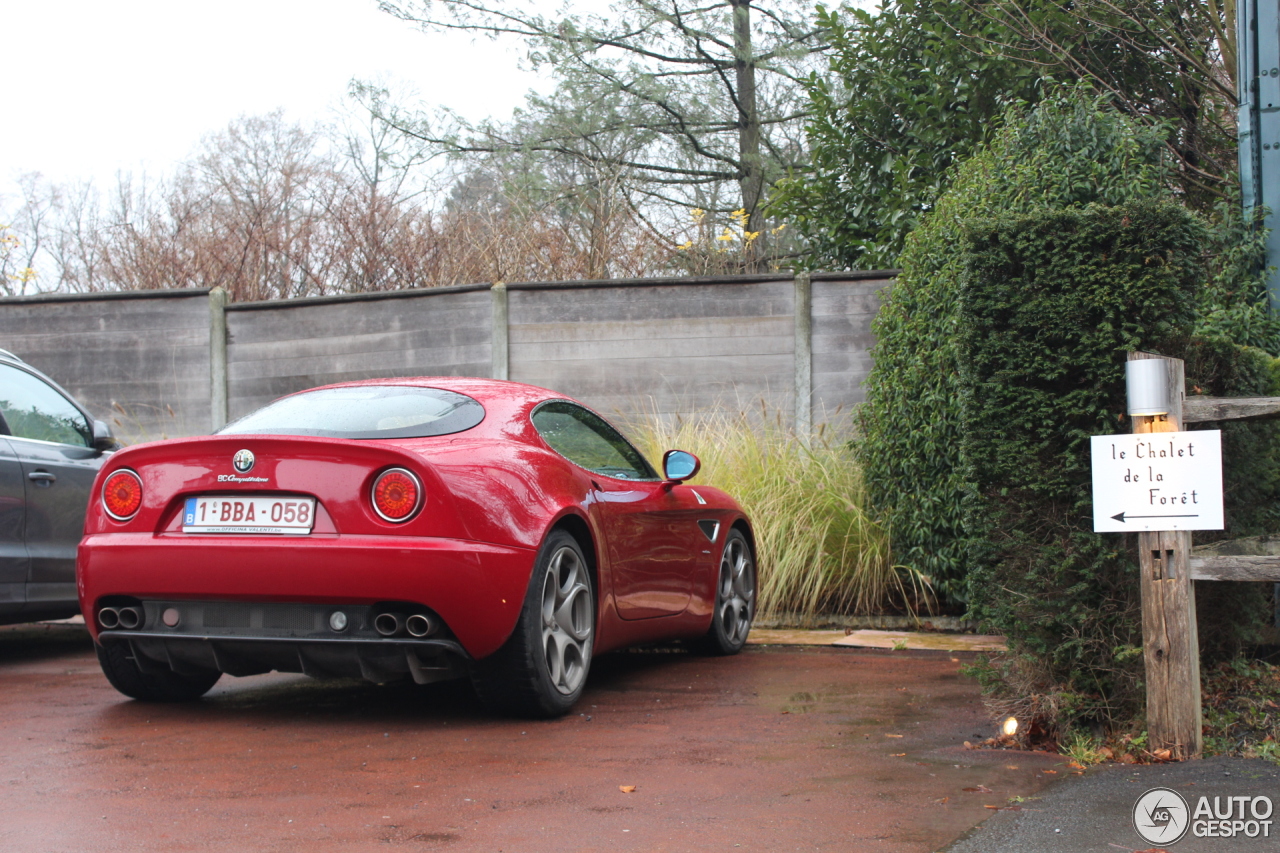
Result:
1104,811
779,748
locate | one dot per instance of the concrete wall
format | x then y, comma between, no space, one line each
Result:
842,311
674,347
275,348
669,348
137,360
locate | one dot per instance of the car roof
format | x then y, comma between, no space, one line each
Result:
483,390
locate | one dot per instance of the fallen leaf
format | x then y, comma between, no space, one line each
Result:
1011,767
897,755
996,808
980,789
1106,752
1128,759
1162,754
1075,765
1052,772
968,745
889,735
943,801
627,789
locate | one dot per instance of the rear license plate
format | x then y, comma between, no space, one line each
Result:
226,514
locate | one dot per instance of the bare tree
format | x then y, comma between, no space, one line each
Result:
700,96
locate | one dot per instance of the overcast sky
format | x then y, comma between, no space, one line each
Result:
92,87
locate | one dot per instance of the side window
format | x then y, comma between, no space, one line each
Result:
34,410
586,440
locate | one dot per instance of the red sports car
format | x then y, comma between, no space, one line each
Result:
407,528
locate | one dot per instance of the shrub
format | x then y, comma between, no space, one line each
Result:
1050,304
818,550
1070,151
1230,615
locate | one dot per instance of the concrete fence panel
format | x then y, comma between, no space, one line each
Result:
843,309
669,348
165,364
276,348
138,360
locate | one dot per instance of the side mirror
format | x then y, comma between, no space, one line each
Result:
103,440
678,466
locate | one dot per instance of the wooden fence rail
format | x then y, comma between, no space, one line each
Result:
1170,567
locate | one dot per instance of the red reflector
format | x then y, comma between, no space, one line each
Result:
396,494
122,495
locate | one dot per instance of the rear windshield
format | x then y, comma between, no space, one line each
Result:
366,411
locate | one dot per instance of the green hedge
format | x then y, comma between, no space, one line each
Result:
1072,150
1229,615
1050,305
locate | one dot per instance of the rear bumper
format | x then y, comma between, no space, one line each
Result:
475,589
380,661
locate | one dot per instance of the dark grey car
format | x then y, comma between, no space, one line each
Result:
50,450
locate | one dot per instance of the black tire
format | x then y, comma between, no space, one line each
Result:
541,670
159,685
735,598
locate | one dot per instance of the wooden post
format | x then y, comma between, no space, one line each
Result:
1171,644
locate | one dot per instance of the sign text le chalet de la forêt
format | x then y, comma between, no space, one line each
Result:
1157,481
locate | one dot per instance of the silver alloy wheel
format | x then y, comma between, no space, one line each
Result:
567,623
735,599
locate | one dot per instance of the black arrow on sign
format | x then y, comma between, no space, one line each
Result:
1120,516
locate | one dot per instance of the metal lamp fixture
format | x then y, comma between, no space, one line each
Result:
1147,382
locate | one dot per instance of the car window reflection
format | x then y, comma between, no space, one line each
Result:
32,409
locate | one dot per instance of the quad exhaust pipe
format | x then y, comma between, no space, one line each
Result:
127,618
388,624
418,625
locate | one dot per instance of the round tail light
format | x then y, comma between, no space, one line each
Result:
397,494
122,494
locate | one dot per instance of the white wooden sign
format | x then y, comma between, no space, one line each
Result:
1157,481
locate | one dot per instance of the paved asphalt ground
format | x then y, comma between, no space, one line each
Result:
775,749
779,748
1094,812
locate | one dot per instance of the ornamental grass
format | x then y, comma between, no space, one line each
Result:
819,553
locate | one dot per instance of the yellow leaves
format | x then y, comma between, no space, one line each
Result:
698,215
740,216
685,246
727,235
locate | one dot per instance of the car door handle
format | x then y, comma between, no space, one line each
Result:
43,478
